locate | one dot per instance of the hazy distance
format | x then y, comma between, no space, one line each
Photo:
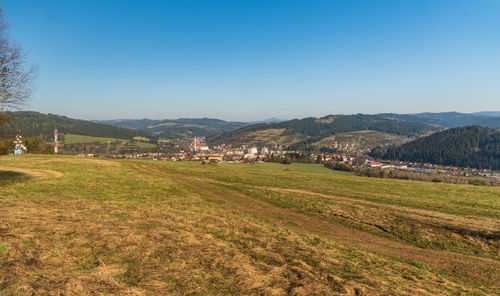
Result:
252,60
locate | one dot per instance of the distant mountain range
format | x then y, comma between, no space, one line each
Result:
309,131
366,130
451,138
269,120
183,128
488,113
472,146
449,119
32,123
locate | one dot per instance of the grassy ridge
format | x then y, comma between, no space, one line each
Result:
91,226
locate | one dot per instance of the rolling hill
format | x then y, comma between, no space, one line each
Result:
364,140
488,113
182,128
474,146
312,130
366,131
449,119
38,124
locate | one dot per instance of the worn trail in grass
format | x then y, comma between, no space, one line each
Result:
450,262
460,218
106,227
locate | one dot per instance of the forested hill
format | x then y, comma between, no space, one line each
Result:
474,146
314,129
182,128
447,120
38,124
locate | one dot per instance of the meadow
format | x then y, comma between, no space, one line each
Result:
76,144
80,226
365,139
80,139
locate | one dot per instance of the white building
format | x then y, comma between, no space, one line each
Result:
199,144
253,151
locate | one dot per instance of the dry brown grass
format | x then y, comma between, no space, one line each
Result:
476,267
133,230
36,173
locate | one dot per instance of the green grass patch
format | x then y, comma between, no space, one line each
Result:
3,249
144,144
81,139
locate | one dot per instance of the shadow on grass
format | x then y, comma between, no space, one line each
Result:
9,177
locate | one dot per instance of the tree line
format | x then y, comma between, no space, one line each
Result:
409,175
34,145
473,146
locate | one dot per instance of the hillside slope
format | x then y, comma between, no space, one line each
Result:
182,128
473,146
311,130
38,124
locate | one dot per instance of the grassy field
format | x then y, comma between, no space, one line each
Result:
79,139
102,227
73,144
364,139
264,137
145,145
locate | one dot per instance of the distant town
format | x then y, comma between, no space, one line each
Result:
348,156
341,156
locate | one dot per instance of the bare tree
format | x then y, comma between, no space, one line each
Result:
16,75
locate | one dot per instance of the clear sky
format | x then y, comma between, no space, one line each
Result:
250,60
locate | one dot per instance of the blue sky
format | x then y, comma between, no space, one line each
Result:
250,60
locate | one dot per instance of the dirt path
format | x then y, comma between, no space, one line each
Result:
484,270
469,222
